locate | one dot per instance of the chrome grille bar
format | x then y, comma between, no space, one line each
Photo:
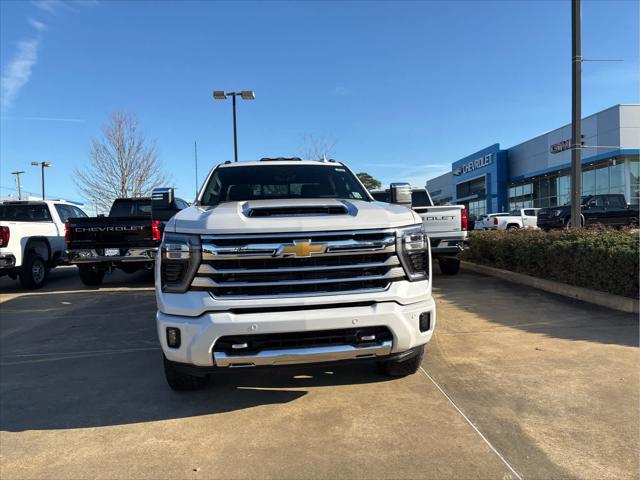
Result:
208,269
210,282
267,250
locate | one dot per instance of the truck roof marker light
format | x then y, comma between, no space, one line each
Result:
464,222
155,230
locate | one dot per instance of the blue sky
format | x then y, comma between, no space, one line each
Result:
401,88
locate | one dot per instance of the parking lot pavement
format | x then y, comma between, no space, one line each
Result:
516,383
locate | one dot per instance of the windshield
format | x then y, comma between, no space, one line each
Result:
131,208
264,182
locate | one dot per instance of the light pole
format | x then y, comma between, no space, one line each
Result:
245,95
576,115
43,165
17,174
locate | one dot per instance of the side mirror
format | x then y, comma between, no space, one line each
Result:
163,205
400,193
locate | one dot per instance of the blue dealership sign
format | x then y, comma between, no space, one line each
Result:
482,176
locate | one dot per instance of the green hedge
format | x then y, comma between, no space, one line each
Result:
605,260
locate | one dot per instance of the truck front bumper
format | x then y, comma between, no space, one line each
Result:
198,335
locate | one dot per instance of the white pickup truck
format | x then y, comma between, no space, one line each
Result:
518,218
446,225
291,261
32,238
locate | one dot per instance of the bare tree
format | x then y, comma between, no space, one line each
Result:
122,163
316,148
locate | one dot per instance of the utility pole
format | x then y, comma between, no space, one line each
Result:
576,115
17,174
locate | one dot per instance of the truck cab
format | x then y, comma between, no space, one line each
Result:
291,261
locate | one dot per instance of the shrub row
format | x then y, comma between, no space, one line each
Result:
605,260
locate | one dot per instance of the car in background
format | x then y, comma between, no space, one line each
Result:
446,225
489,221
611,210
128,238
526,218
32,238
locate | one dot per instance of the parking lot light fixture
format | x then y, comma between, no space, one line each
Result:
42,165
245,95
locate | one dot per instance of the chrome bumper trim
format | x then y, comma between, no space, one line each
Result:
293,356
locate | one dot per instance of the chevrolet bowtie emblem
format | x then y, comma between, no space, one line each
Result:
302,248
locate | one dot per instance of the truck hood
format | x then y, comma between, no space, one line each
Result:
303,215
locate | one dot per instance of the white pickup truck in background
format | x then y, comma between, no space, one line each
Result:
32,238
446,226
519,218
489,221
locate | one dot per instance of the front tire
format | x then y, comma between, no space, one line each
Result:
449,266
34,271
404,366
180,381
90,275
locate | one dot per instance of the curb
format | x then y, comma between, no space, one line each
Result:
609,300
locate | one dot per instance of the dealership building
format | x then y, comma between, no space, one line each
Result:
536,173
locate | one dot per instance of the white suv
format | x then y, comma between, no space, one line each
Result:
287,262
32,238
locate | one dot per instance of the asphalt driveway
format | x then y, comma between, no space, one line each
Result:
516,384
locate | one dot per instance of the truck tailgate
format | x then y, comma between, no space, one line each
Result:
442,220
116,232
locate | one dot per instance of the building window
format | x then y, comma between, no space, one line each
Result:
634,180
555,189
563,187
477,208
477,187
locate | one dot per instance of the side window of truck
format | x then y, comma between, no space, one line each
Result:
419,198
530,213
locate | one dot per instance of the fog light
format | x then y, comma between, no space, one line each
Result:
173,337
425,321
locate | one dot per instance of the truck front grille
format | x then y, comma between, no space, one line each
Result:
298,264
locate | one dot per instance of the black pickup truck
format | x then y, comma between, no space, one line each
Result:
128,238
611,210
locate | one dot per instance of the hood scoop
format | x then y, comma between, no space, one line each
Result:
294,211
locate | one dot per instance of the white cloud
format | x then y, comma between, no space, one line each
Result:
38,25
340,91
49,6
17,73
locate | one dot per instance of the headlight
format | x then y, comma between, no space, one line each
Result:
179,259
414,252
557,212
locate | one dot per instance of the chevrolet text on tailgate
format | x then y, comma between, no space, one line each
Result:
291,261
